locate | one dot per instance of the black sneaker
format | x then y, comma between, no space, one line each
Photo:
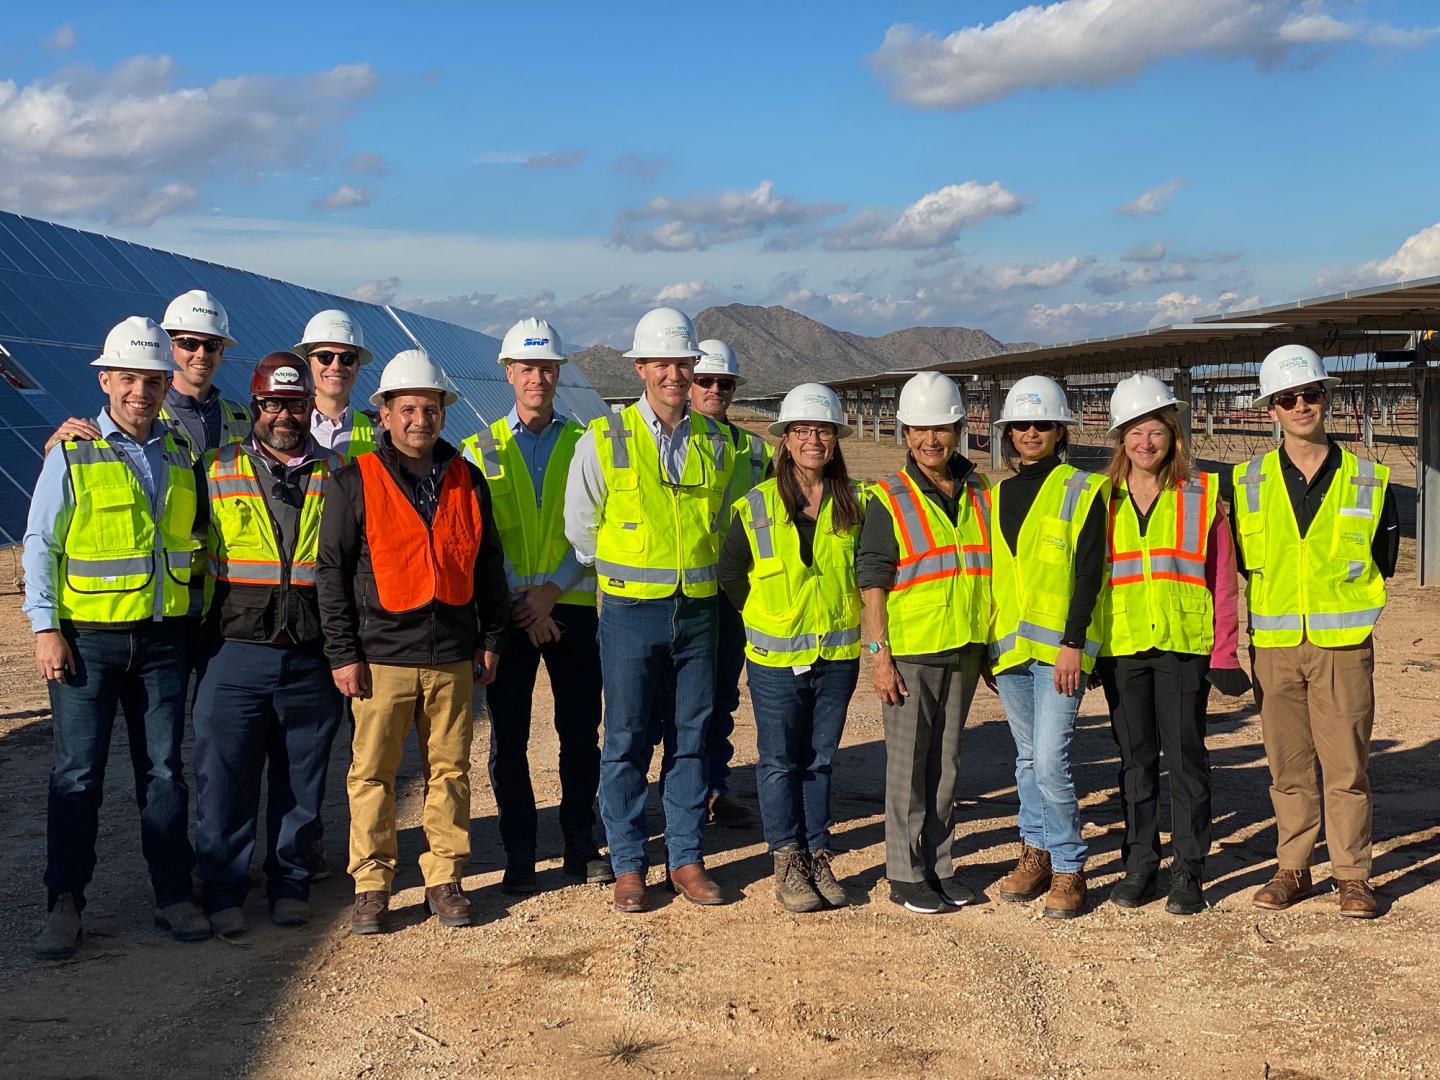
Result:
918,896
1186,896
519,879
953,892
584,861
1138,889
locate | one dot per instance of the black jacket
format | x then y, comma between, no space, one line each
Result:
355,625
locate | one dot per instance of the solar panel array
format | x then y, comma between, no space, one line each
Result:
62,289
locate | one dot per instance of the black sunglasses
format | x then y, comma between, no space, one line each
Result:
1041,426
1287,400
194,344
707,381
326,357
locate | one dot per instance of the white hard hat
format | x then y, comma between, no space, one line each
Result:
717,358
136,344
811,401
930,399
1138,395
337,327
664,334
1035,397
197,312
413,370
1290,366
532,339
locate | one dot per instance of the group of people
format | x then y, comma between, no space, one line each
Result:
286,563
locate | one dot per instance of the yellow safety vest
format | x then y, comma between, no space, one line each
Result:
234,425
1156,596
243,549
752,455
362,436
1326,586
941,596
533,536
1032,586
114,557
797,614
653,536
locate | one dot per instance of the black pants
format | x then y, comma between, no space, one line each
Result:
1157,701
573,664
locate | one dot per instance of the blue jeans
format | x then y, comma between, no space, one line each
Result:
658,659
259,704
729,662
798,723
1042,723
144,674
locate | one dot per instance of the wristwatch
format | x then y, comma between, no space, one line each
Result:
876,646
1072,644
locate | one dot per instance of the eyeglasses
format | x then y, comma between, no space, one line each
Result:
1287,400
1042,426
293,405
326,357
805,434
195,344
705,382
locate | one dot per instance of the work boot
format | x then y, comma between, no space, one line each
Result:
184,921
954,892
1287,887
228,922
728,813
694,883
629,895
822,876
1067,896
449,904
1029,879
918,896
584,861
316,862
519,877
370,912
1186,896
290,911
793,887
1137,890
1357,900
61,935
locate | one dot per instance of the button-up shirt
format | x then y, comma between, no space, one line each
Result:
535,449
333,435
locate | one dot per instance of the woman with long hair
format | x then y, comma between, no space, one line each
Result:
1169,611
788,566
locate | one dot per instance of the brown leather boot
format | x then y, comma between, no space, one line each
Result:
449,904
695,884
368,916
1287,887
1357,900
1067,896
630,893
1029,879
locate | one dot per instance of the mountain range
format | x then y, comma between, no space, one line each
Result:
779,348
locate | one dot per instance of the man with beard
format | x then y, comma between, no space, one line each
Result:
265,695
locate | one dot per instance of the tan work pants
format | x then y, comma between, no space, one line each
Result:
1319,703
437,701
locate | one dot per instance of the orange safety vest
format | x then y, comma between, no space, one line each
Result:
414,565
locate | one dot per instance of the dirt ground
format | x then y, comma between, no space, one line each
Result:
559,984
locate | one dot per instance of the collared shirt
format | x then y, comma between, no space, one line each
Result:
53,505
333,435
535,449
199,420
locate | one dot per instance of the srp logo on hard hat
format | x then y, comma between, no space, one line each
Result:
285,375
1294,362
676,331
536,341
1028,399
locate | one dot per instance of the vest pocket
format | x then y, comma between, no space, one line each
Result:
626,536
1052,545
1252,540
1051,605
110,517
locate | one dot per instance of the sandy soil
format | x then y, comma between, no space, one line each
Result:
559,984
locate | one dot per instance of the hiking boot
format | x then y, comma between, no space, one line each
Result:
793,887
822,876
728,813
1186,896
290,911
584,861
1357,900
228,922
519,878
1137,890
1287,887
184,920
1067,896
954,892
315,861
370,912
917,896
1029,879
61,935
449,904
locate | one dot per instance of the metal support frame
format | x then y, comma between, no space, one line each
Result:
1181,388
1427,479
996,405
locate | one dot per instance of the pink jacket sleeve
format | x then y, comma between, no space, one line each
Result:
1220,576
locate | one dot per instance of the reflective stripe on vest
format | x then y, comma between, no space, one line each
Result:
413,565
243,549
752,456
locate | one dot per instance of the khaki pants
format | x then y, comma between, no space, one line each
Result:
437,700
1319,703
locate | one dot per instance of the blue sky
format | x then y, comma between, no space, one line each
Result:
1090,167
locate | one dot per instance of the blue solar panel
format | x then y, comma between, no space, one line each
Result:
62,289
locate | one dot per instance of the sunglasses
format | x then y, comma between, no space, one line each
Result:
326,357
1287,401
705,382
195,344
1042,426
274,406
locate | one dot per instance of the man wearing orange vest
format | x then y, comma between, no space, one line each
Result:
413,603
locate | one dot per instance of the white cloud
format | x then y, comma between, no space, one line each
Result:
702,221
1417,257
367,164
1097,42
1144,252
555,159
934,220
1044,276
63,37
344,197
682,292
1071,320
1152,201
502,157
379,291
128,146
1114,280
